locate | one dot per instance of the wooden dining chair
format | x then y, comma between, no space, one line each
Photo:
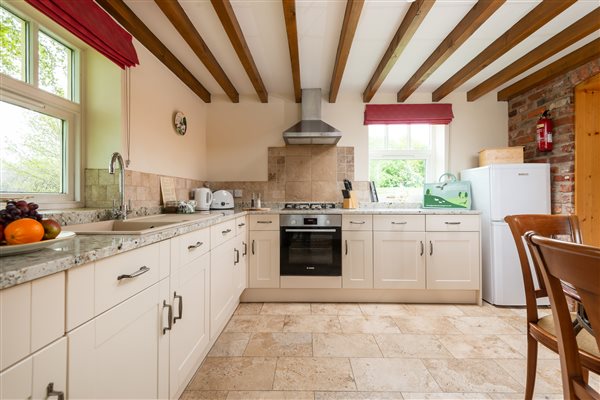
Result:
542,329
579,265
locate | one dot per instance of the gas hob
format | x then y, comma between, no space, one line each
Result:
309,206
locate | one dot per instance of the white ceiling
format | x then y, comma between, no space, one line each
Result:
319,24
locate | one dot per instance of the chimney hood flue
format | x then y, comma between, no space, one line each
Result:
311,129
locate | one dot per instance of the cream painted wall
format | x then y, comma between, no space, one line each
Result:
156,94
102,110
238,134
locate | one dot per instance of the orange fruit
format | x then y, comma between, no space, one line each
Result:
23,231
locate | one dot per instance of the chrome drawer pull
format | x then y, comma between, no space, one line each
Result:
346,253
242,224
311,230
236,258
169,316
225,232
180,310
245,248
264,222
358,223
452,223
195,246
430,248
399,223
137,273
422,248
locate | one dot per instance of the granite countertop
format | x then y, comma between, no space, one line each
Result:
83,249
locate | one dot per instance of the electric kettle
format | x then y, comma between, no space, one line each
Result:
203,197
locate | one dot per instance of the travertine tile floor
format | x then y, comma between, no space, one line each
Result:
297,351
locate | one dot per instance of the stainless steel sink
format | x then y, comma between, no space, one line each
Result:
138,226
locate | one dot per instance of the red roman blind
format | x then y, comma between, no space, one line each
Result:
90,23
387,114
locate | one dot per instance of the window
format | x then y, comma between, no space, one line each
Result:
403,157
39,112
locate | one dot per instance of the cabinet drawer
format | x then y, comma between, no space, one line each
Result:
264,222
221,233
409,223
453,223
111,284
193,245
357,222
241,226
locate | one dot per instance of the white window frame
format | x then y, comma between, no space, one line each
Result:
30,96
436,158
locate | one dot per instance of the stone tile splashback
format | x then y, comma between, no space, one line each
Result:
302,173
143,189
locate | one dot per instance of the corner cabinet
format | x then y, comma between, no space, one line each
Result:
263,268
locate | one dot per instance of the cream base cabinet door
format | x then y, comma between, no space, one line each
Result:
240,265
453,260
357,259
190,335
263,271
399,260
222,300
32,377
119,354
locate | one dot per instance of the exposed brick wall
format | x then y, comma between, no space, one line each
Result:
557,96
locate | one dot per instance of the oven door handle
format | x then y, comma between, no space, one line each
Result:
312,230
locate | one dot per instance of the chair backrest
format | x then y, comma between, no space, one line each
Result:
545,225
578,265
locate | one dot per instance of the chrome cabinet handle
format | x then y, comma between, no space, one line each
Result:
399,223
51,392
346,243
226,231
195,246
422,248
452,223
358,223
236,253
241,224
180,308
430,248
169,316
252,246
311,230
245,248
137,273
264,222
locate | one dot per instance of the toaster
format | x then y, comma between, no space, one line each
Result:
222,200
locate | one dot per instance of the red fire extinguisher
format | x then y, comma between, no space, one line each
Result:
544,128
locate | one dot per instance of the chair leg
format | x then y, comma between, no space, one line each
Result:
532,351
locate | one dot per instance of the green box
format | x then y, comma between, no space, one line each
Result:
448,193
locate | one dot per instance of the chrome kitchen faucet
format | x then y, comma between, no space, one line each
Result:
123,210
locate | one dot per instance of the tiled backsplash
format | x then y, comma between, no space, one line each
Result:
295,173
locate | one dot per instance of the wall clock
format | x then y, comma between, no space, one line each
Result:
180,123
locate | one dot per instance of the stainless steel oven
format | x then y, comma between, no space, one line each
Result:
311,245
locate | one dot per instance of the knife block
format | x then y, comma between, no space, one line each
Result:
352,202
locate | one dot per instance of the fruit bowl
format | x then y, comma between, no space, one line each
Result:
9,250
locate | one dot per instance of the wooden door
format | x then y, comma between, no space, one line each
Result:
587,159
452,260
357,259
399,261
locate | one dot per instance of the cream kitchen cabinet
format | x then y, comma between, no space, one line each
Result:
123,353
357,259
399,260
240,264
453,260
43,375
190,299
223,299
263,269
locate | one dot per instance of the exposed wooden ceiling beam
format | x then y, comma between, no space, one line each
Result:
351,17
580,29
478,14
413,18
127,18
238,41
289,14
176,14
530,23
584,54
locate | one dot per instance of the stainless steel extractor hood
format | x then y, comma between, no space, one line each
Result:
311,129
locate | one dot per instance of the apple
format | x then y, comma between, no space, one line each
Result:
51,229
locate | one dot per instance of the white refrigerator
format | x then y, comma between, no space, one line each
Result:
497,191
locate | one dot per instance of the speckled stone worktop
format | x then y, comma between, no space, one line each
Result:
83,249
